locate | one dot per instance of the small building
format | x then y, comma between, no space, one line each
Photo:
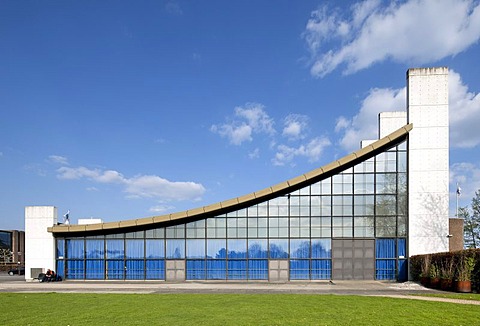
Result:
360,217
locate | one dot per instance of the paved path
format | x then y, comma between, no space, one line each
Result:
408,290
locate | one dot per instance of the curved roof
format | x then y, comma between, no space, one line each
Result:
246,200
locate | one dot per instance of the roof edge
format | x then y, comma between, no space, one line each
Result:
245,200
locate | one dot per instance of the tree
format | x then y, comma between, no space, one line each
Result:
471,222
6,256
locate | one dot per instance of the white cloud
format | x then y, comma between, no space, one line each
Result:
152,186
414,32
467,175
254,154
295,126
364,124
464,115
142,186
161,209
249,119
58,159
173,8
312,151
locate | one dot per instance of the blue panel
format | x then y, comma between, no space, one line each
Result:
175,249
257,248
196,269
155,270
95,269
299,248
216,269
402,270
385,248
196,248
237,269
61,268
385,269
321,248
155,249
321,269
135,248
115,269
75,270
216,248
115,249
402,247
60,249
75,249
278,248
299,269
237,248
258,269
95,249
135,269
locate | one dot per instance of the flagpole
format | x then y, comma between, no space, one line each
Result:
458,194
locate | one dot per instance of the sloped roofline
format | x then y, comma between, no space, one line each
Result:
246,200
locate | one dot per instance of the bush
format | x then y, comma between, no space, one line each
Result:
452,264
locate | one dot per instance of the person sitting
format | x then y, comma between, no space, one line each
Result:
48,276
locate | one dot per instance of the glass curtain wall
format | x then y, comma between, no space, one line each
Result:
366,201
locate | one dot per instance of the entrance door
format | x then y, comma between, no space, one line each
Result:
353,259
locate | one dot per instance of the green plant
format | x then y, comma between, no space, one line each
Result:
447,269
465,268
434,271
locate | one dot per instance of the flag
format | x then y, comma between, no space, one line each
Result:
459,190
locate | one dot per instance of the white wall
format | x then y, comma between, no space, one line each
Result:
391,121
428,160
39,243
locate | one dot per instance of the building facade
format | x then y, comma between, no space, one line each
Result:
359,217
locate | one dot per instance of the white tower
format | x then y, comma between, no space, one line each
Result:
428,160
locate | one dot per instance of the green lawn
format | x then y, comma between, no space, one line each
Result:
227,309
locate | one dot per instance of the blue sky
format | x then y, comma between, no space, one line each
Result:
128,109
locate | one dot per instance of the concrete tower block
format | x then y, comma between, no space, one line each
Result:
39,243
428,160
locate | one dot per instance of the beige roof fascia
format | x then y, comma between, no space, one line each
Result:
252,198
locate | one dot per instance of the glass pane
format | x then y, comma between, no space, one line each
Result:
196,249
216,249
175,249
257,248
299,248
321,248
279,248
135,248
76,249
95,249
237,249
115,249
155,249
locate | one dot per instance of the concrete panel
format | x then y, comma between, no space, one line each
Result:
283,264
273,264
170,264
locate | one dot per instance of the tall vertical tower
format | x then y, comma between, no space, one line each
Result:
428,163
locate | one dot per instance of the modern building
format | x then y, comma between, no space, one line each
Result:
12,242
359,217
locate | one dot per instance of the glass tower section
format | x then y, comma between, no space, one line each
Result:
367,201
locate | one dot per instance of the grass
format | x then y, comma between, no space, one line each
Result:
227,309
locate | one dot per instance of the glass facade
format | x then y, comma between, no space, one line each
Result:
366,201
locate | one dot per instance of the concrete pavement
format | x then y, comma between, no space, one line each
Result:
368,288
